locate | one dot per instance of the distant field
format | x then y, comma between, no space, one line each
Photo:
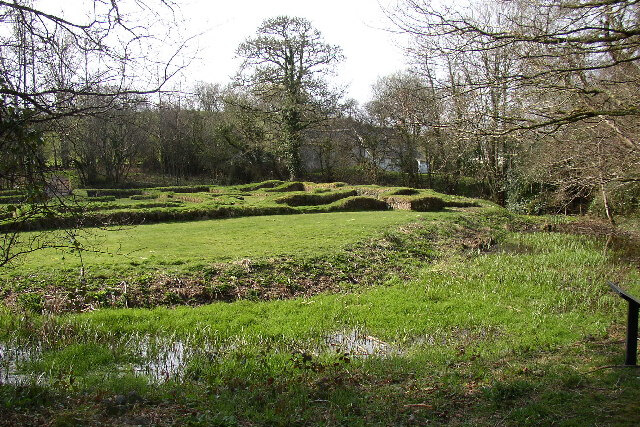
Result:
96,207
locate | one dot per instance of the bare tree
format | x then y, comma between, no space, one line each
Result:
554,41
404,103
553,71
53,61
50,65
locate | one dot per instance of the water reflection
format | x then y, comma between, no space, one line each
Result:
164,359
357,343
161,361
11,357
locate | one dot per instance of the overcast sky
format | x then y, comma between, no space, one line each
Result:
355,25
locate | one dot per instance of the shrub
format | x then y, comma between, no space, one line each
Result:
31,301
623,200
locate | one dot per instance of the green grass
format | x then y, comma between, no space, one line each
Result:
477,325
547,297
203,242
522,329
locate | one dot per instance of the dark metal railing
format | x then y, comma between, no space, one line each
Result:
631,358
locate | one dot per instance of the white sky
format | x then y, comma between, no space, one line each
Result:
355,25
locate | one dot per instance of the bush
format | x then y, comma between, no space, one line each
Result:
314,199
358,203
31,301
623,200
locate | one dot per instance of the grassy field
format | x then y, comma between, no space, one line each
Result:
468,316
191,244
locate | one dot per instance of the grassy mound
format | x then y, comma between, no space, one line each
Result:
224,202
116,192
143,216
142,197
419,204
128,192
12,199
287,186
404,191
11,192
314,199
102,199
459,204
259,185
358,203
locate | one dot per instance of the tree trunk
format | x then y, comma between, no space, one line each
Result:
605,201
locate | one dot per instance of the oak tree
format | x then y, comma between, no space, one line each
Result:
285,66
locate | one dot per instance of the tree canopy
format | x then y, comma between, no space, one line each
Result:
285,66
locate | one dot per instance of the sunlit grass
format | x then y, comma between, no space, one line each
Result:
201,242
513,335
552,293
